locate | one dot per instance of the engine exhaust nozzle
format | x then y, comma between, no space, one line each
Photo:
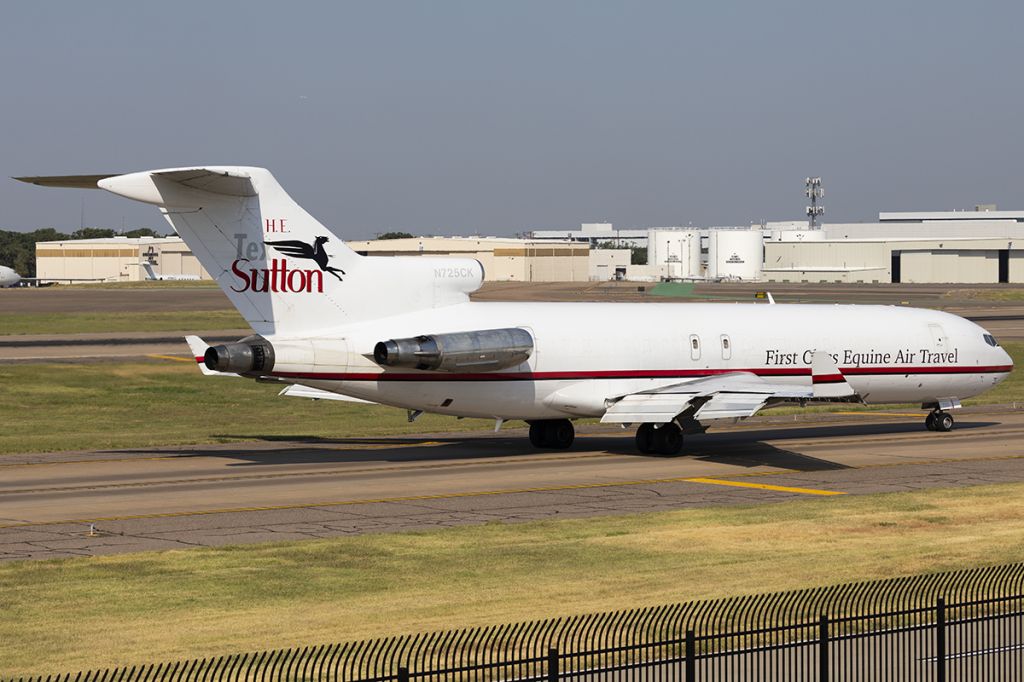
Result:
251,355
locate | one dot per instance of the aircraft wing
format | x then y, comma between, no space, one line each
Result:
299,391
727,396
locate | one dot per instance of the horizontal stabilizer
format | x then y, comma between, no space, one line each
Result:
227,182
72,181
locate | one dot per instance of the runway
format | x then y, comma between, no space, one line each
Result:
90,503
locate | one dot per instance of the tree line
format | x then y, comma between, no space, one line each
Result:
18,249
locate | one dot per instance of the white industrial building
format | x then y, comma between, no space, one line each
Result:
114,259
504,259
981,246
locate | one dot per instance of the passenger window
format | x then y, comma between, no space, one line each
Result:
694,347
726,347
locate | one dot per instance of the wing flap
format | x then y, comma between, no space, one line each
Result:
724,396
732,405
654,408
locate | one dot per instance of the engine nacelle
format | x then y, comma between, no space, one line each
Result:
251,355
478,351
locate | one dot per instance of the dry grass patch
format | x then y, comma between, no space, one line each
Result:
72,614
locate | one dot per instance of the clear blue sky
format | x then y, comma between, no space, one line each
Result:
494,118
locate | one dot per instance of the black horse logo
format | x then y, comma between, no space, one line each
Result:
315,253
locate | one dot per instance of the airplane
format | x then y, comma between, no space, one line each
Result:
402,331
153,275
8,277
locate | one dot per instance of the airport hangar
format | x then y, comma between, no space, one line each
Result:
120,259
981,246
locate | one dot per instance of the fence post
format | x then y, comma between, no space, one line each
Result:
823,649
691,656
403,674
553,674
940,639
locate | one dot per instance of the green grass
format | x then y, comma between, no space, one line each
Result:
160,321
65,615
144,404
673,289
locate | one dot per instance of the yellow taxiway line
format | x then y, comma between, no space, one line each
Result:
764,486
420,498
171,357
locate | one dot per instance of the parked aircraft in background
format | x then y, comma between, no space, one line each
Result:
152,274
403,332
8,277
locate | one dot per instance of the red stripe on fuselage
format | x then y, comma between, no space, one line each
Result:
628,374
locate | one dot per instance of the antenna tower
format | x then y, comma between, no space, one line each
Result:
814,192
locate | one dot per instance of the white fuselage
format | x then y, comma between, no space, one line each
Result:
8,277
586,353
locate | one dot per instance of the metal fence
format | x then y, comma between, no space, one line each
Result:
963,625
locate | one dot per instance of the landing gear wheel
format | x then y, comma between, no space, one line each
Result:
645,439
552,433
559,433
939,421
668,440
537,434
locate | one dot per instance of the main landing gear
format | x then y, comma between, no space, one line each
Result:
667,439
937,420
552,433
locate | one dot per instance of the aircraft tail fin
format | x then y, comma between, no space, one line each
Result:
285,272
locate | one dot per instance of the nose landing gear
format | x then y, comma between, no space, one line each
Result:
938,420
664,440
552,433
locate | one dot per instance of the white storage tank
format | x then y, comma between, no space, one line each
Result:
677,251
735,254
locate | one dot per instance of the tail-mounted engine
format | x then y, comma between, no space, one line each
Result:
252,355
478,351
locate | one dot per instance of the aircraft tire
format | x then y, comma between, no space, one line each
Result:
537,434
645,439
559,434
668,440
929,421
943,421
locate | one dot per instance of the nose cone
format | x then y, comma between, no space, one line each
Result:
1007,359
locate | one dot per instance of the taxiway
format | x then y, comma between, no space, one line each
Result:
86,503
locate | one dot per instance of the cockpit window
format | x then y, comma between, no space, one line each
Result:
991,340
